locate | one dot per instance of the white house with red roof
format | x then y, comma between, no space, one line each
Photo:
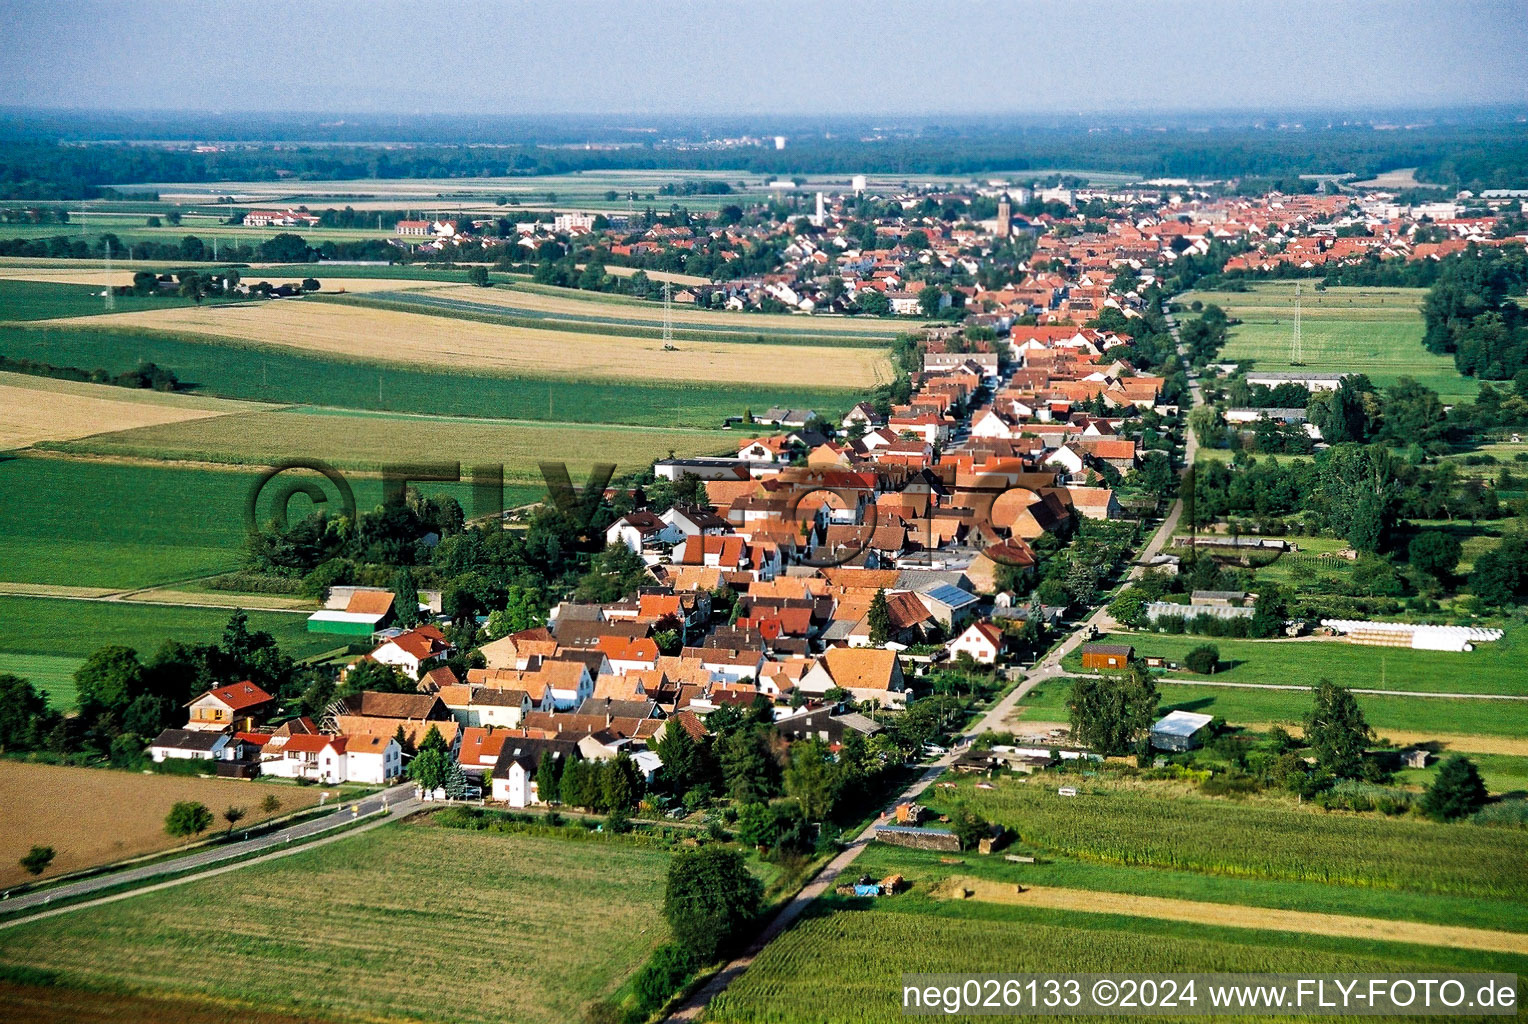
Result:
414,652
333,759
227,708
981,640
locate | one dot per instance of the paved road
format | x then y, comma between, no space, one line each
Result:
399,800
995,720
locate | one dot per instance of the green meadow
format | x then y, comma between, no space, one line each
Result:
75,629
1377,331
79,523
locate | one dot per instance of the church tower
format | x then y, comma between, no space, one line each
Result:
1004,216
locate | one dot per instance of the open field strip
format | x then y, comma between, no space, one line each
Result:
119,525
409,339
52,674
239,369
1231,915
123,275
93,816
802,975
927,870
221,599
1377,331
479,902
1158,824
1493,667
34,409
543,299
65,628
367,441
1470,724
460,306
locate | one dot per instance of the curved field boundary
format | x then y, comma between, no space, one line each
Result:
1230,915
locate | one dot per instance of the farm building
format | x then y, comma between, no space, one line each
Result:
1420,637
1106,656
365,612
1179,730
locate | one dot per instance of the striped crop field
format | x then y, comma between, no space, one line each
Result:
406,922
407,339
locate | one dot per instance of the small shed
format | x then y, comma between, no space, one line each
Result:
1107,656
1179,730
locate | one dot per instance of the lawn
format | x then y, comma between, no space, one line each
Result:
51,673
65,628
1491,668
803,974
370,441
72,522
404,922
94,816
433,386
1377,331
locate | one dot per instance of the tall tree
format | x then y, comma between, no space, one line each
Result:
405,599
710,900
1456,792
1336,731
1111,713
879,619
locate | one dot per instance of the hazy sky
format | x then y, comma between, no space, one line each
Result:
771,56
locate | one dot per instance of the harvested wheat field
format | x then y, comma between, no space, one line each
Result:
95,816
36,409
1230,915
124,276
416,340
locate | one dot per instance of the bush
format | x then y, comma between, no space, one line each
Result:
37,859
187,818
271,804
1202,660
665,973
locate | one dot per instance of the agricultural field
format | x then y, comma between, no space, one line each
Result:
533,930
47,295
112,525
39,289
802,975
73,628
351,332
93,816
1377,331
571,306
1134,824
34,409
1071,874
1459,723
1490,668
370,441
286,376
52,674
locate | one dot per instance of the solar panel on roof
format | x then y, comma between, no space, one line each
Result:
950,595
